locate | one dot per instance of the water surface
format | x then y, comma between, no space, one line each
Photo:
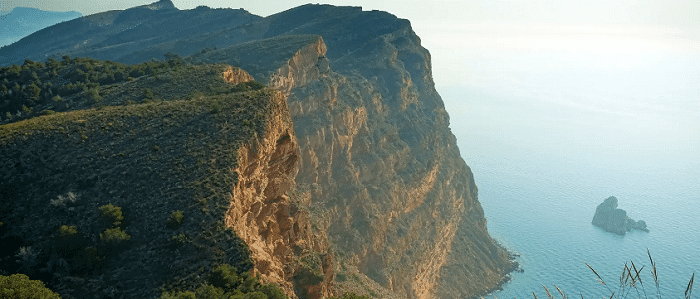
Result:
549,134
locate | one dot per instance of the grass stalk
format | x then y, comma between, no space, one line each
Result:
629,279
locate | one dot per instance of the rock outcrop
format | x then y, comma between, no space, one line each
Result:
611,219
383,204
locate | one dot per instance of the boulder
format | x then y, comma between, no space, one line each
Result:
611,219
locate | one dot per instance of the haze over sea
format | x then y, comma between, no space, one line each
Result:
553,123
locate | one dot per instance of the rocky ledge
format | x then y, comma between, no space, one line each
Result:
611,219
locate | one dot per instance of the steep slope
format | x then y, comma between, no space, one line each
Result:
150,160
380,176
378,159
22,21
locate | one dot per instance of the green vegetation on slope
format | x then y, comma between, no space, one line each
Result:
91,192
37,88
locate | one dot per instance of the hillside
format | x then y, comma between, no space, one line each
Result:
150,160
382,204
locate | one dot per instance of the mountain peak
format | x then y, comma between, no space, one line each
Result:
162,4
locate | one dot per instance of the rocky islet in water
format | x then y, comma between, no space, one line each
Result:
611,219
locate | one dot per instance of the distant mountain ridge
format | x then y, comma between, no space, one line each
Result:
114,34
23,21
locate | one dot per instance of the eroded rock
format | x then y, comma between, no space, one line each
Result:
611,219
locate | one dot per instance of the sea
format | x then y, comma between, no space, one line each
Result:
551,129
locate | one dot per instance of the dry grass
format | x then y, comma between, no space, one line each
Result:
630,282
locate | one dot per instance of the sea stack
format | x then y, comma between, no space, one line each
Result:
611,219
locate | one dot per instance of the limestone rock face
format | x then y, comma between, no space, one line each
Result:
608,217
276,228
381,165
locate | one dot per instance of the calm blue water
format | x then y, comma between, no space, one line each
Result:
549,135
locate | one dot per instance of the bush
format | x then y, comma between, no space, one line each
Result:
112,214
19,286
225,276
179,239
175,219
95,95
209,292
215,107
223,282
255,85
68,240
114,236
178,295
203,292
148,93
66,231
272,292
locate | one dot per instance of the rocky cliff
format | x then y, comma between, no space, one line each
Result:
383,203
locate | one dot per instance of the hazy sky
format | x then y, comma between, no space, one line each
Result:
651,12
450,28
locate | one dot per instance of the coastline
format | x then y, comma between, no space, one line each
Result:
513,267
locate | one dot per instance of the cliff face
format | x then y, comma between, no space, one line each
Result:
276,227
384,170
383,203
386,182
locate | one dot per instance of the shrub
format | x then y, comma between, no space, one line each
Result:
34,91
178,240
255,85
255,295
209,292
68,240
95,95
272,291
215,107
112,214
114,236
66,231
225,276
19,286
27,110
148,93
175,219
178,295
223,282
